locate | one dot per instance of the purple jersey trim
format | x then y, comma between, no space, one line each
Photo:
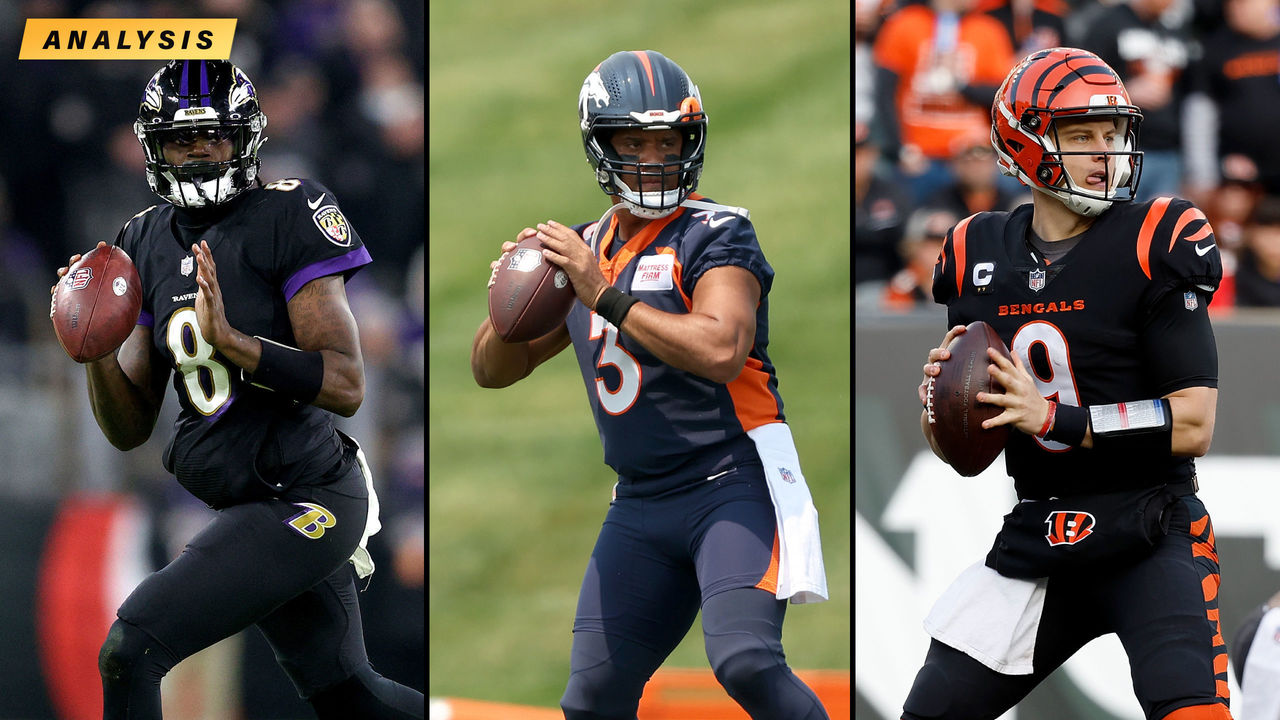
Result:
145,318
331,266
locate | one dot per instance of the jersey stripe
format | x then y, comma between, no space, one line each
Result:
1188,216
677,274
753,402
957,246
1148,231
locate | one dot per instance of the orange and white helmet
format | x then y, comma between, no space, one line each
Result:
1059,83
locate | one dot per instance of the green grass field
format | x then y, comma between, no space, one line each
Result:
518,485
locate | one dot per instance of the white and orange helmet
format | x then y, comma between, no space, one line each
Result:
1058,83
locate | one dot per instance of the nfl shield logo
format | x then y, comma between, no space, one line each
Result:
1189,300
1035,280
786,475
188,264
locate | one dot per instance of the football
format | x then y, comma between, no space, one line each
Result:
530,297
955,415
96,304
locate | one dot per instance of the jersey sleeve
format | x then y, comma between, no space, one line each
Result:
732,242
1177,343
129,240
1178,251
317,239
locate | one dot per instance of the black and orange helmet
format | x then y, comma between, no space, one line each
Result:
1050,85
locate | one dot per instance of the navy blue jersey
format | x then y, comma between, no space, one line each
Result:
1091,326
657,421
234,442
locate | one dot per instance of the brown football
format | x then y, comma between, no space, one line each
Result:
955,414
96,304
530,297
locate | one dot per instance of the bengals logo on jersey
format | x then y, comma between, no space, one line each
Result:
1068,527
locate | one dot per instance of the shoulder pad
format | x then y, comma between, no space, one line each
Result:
952,266
717,207
1176,245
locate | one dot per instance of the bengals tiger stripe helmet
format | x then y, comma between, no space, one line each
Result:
1050,85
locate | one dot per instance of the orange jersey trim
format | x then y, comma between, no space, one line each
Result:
769,582
1189,216
958,247
752,402
1148,231
636,245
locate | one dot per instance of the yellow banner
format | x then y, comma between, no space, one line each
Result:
127,39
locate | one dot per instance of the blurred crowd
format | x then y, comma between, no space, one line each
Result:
1206,74
341,83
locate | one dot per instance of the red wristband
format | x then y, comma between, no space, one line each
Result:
1048,421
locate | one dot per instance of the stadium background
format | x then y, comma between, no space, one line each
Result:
81,523
518,487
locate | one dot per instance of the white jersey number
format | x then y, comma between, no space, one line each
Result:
1061,383
190,361
618,401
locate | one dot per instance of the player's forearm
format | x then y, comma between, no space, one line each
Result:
495,364
121,408
700,344
1194,413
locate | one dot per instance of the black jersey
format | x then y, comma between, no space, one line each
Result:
1092,327
234,442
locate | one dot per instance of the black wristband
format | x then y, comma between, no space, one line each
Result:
1069,425
613,305
298,374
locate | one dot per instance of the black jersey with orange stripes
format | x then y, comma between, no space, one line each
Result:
1088,326
662,426
234,442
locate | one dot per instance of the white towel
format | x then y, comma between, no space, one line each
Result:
991,618
801,575
1260,694
361,559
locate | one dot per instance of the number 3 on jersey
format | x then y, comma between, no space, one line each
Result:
191,354
620,400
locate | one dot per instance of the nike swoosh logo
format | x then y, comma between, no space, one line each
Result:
718,223
316,204
1202,250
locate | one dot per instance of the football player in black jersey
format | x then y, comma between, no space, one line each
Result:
244,303
1110,394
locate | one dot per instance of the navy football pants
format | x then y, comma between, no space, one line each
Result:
1163,608
656,561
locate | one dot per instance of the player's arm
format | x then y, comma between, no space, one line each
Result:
126,389
497,364
712,339
325,370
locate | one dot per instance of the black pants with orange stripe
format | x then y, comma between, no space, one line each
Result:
656,562
1164,609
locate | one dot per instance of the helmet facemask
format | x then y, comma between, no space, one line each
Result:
186,99
1052,87
677,176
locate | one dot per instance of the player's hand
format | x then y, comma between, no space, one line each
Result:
566,249
507,247
210,312
1024,407
937,355
62,271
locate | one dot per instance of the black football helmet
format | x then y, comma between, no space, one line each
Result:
642,89
187,98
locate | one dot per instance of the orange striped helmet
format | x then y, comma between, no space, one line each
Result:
1049,85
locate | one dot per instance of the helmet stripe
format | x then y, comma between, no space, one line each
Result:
1083,72
204,82
648,69
182,85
